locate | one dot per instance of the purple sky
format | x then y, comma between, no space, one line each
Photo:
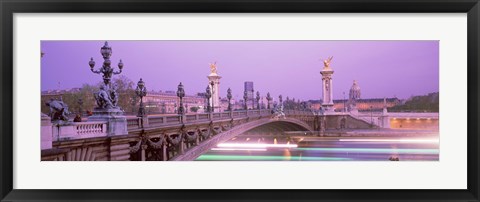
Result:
292,68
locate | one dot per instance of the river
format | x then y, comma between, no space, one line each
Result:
423,146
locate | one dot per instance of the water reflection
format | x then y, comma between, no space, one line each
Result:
295,147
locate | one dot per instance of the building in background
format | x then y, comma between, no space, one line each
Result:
167,102
375,104
248,87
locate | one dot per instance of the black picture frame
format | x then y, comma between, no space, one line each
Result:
10,7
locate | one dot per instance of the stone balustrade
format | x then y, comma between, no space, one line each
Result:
79,130
134,123
90,128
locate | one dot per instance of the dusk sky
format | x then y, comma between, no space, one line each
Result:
291,68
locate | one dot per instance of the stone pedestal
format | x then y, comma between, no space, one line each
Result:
327,98
46,132
215,99
385,119
116,121
63,131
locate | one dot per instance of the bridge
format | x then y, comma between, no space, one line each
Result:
180,137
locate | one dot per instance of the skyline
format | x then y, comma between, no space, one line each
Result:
291,68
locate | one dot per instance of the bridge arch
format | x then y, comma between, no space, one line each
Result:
287,124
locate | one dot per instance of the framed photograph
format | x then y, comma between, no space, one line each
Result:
239,101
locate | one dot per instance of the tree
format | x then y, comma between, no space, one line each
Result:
86,93
424,103
126,91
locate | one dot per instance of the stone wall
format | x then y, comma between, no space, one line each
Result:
335,122
414,123
91,149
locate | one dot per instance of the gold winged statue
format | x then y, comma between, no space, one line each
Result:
326,62
213,68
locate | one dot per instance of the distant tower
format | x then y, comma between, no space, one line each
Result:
214,82
353,96
327,72
248,87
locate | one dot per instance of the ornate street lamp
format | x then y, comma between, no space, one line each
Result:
106,69
258,100
208,95
181,94
141,92
80,106
287,103
280,100
253,102
108,96
229,97
269,99
245,98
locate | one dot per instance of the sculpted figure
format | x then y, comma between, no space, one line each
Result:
326,62
114,96
278,112
106,97
213,68
58,110
103,98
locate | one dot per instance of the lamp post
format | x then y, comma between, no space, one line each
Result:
181,94
269,99
106,69
258,100
344,107
208,95
141,91
109,98
280,100
287,103
245,98
229,97
252,98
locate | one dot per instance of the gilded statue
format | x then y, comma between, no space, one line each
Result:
326,62
213,68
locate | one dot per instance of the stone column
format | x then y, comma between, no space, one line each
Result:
327,84
214,100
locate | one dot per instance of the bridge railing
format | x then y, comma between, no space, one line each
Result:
297,112
134,123
79,130
159,120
